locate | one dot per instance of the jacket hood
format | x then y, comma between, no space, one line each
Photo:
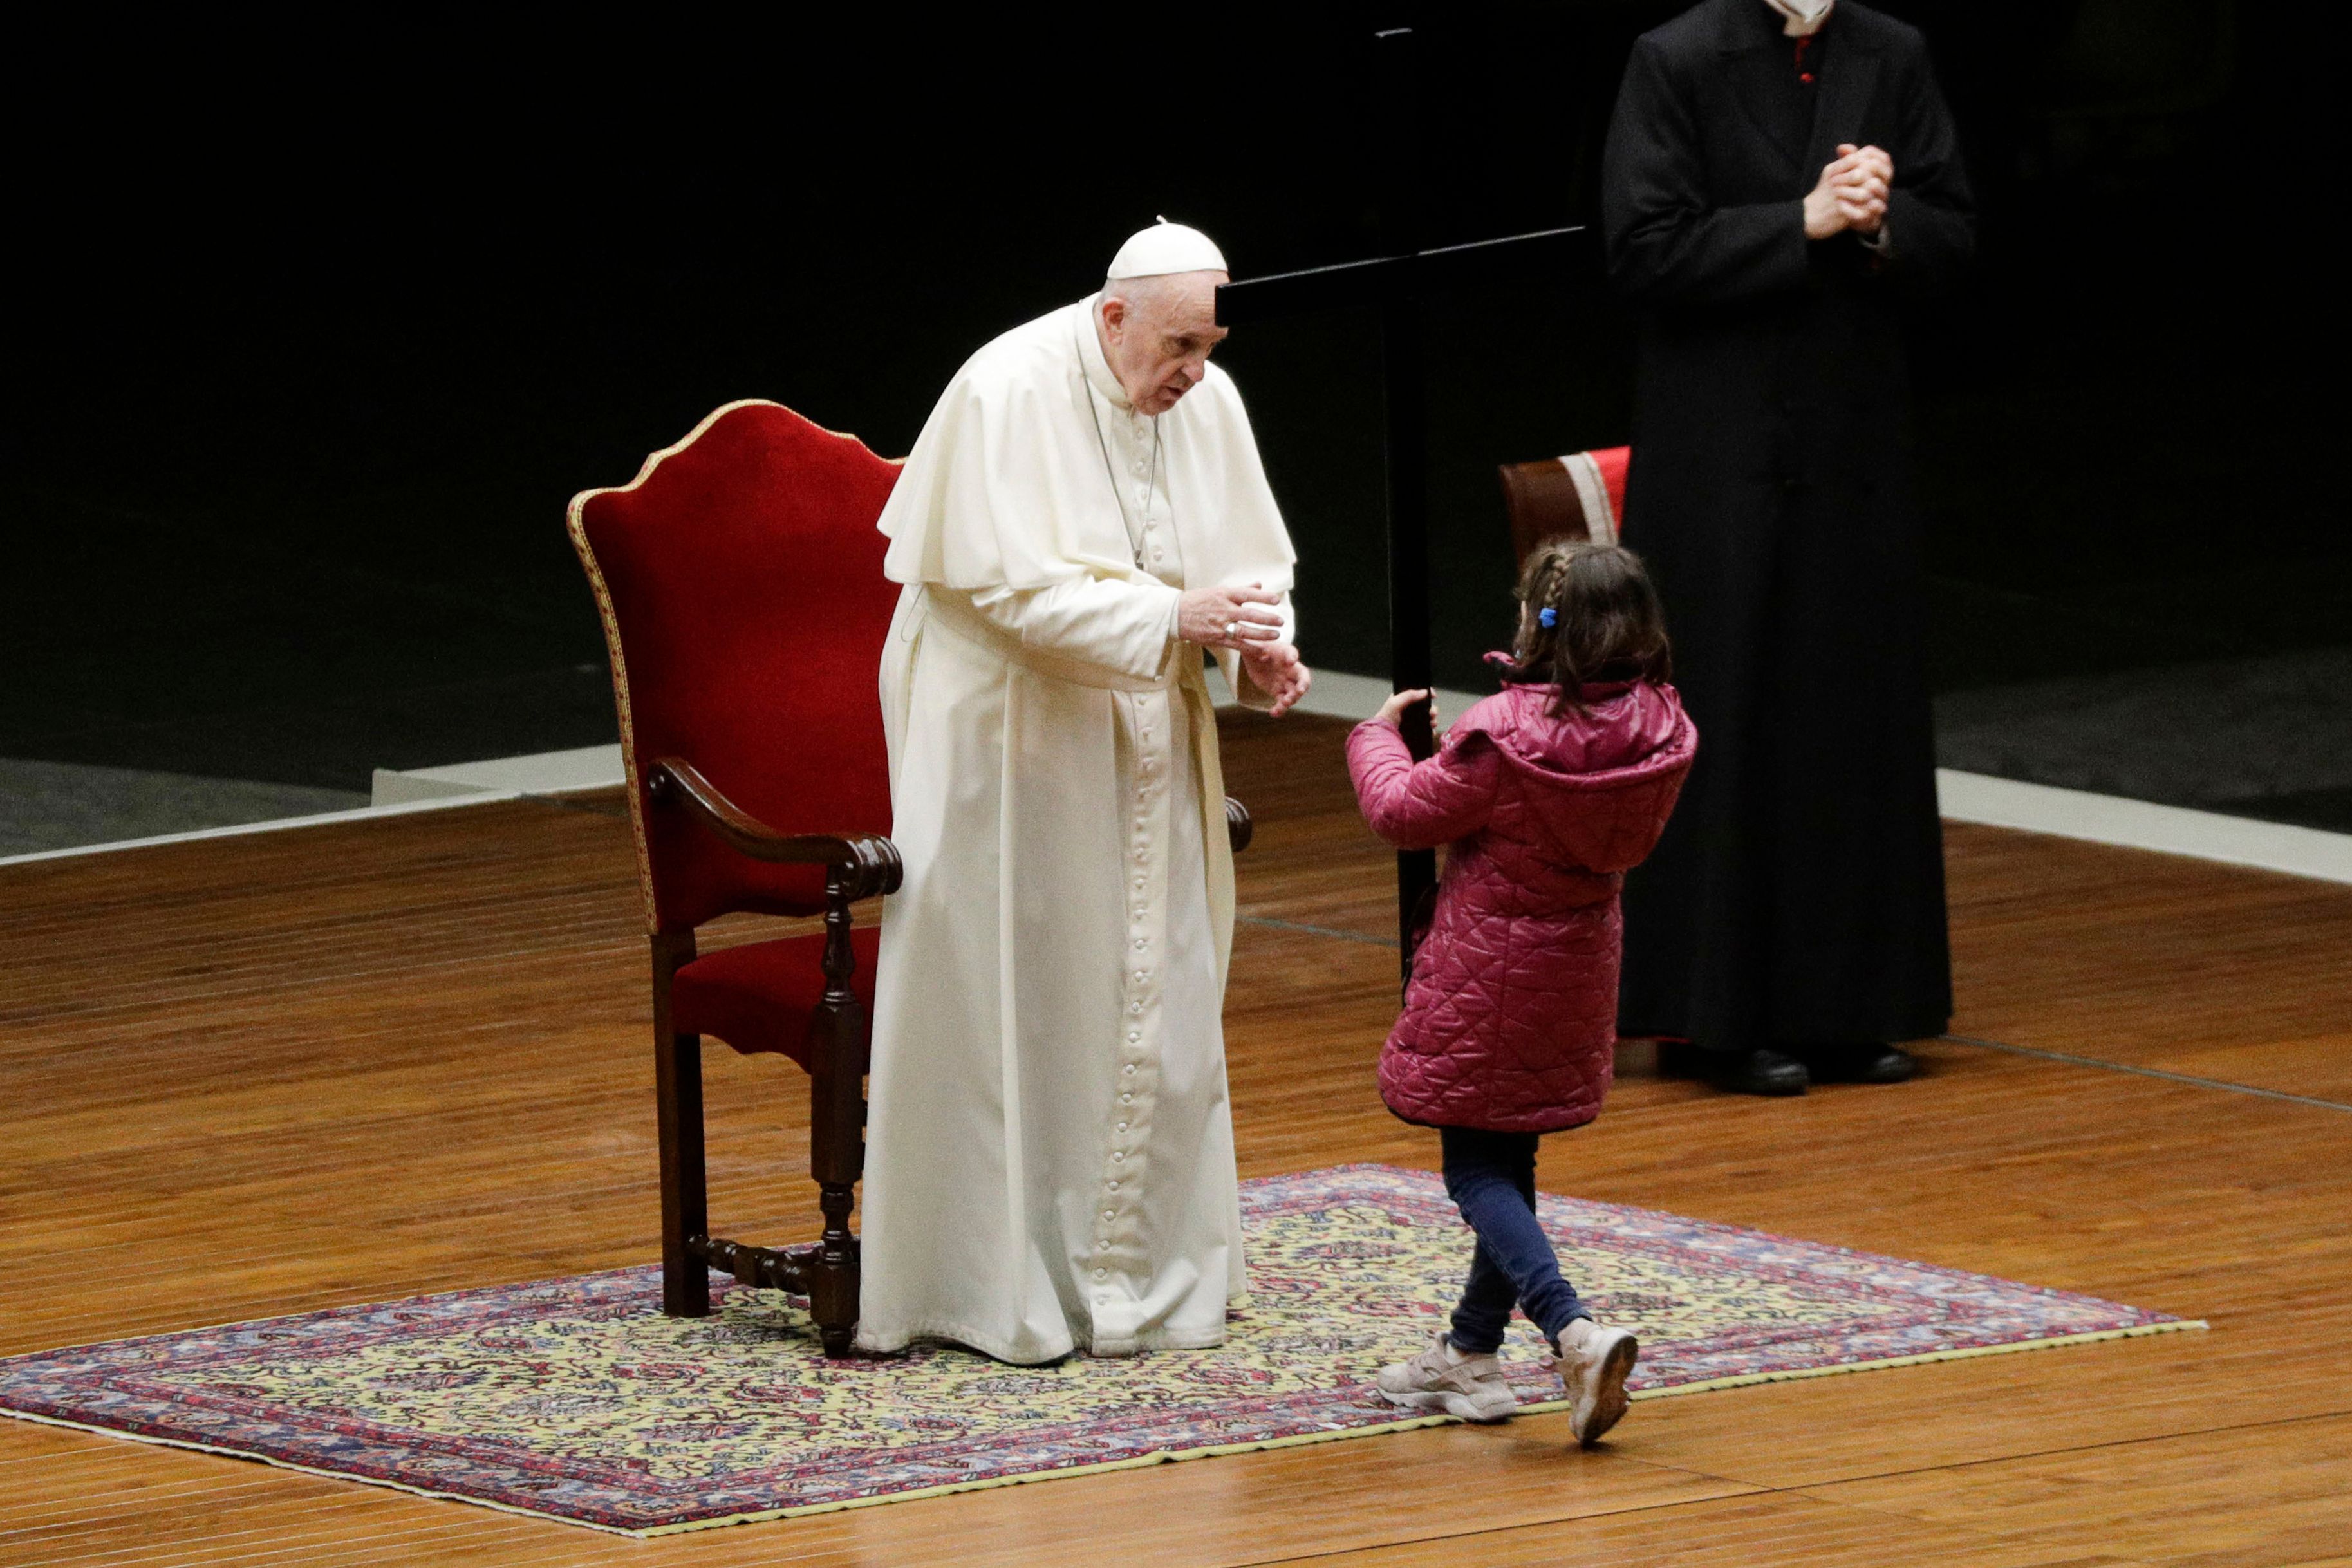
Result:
1598,785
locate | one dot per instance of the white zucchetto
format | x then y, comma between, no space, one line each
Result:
1166,248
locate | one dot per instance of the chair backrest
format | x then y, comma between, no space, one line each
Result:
739,580
1581,496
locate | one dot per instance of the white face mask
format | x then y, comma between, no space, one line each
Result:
1802,17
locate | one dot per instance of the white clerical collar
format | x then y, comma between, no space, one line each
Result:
1091,353
1801,18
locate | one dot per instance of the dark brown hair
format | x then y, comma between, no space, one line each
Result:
1608,622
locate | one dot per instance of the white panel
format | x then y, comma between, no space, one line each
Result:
1592,493
2142,825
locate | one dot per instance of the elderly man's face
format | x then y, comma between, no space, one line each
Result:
1158,332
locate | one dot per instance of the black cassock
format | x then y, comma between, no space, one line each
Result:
1798,896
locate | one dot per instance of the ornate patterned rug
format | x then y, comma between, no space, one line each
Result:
576,1400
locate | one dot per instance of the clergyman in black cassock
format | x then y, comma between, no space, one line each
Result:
1795,908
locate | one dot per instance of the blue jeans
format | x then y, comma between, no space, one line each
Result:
1491,1177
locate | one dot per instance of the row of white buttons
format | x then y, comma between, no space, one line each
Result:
1139,978
1137,426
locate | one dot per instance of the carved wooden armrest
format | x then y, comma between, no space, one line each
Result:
860,864
1238,825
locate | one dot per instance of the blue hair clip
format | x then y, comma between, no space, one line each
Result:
1546,617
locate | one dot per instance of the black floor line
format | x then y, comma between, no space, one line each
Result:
1390,943
2151,1072
1333,931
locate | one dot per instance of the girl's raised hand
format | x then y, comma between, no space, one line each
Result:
1393,709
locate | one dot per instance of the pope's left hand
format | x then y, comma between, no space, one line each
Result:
1280,673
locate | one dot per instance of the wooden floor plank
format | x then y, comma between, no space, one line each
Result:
1734,1533
2319,1066
2275,1493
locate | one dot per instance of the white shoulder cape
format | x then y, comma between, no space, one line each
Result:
1008,484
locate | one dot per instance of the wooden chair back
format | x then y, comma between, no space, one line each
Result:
1579,496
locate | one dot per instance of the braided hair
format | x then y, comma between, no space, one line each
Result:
1587,612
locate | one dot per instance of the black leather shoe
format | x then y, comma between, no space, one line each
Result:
1751,1073
1872,1062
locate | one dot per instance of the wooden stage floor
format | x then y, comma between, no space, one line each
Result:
266,1074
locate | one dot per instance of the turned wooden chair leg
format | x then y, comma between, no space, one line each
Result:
837,1041
836,1158
678,1096
833,1272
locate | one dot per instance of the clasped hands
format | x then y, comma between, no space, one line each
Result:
1243,619
1851,194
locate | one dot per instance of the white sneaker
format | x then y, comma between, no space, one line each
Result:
1594,1362
1472,1388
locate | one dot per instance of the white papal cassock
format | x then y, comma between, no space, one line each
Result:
1049,1157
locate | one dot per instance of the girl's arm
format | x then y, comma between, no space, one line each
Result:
1420,806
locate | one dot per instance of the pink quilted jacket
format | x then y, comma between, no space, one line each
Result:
1510,1017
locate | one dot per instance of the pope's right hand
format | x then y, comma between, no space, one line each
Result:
1229,617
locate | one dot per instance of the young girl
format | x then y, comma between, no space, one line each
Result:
1547,792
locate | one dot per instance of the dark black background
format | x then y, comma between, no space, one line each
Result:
317,324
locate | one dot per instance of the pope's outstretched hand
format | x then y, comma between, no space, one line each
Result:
1280,673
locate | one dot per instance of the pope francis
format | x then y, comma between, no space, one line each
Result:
1049,1150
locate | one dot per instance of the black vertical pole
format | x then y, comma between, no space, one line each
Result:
1407,447
1407,573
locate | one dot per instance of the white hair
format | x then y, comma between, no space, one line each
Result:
1143,294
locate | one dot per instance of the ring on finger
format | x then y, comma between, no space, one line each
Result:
1232,631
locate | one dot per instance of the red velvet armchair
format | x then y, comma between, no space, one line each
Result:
740,581
1581,496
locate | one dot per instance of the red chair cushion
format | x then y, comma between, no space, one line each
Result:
761,995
